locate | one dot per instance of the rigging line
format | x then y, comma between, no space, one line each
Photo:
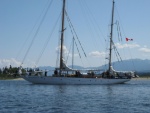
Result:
125,36
117,51
75,33
25,42
68,53
119,35
57,59
118,59
74,40
95,22
118,31
120,21
30,33
88,23
72,34
91,21
72,53
118,56
58,47
123,33
47,41
107,48
121,39
36,32
78,52
77,49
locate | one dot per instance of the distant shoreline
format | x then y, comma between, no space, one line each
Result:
18,78
11,78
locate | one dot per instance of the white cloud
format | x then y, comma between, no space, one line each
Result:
144,49
97,54
8,62
121,46
14,63
65,50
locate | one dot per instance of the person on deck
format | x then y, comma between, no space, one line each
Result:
56,72
45,73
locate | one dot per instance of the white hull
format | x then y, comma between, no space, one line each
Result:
72,80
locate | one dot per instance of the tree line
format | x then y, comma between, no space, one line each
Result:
10,72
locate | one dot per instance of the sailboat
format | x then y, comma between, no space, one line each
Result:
68,76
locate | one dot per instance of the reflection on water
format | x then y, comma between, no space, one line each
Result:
21,96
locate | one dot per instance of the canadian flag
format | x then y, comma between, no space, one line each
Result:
129,39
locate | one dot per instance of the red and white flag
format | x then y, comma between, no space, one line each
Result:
129,39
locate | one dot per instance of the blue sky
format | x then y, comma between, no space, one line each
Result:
91,21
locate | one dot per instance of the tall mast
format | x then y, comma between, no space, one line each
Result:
111,35
62,36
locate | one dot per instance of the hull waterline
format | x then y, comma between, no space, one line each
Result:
72,80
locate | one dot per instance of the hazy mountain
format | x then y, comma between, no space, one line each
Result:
126,65
135,64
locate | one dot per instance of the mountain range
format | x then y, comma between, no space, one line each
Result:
137,65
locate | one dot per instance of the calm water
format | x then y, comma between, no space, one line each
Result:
19,96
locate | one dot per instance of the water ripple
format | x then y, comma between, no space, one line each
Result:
23,97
